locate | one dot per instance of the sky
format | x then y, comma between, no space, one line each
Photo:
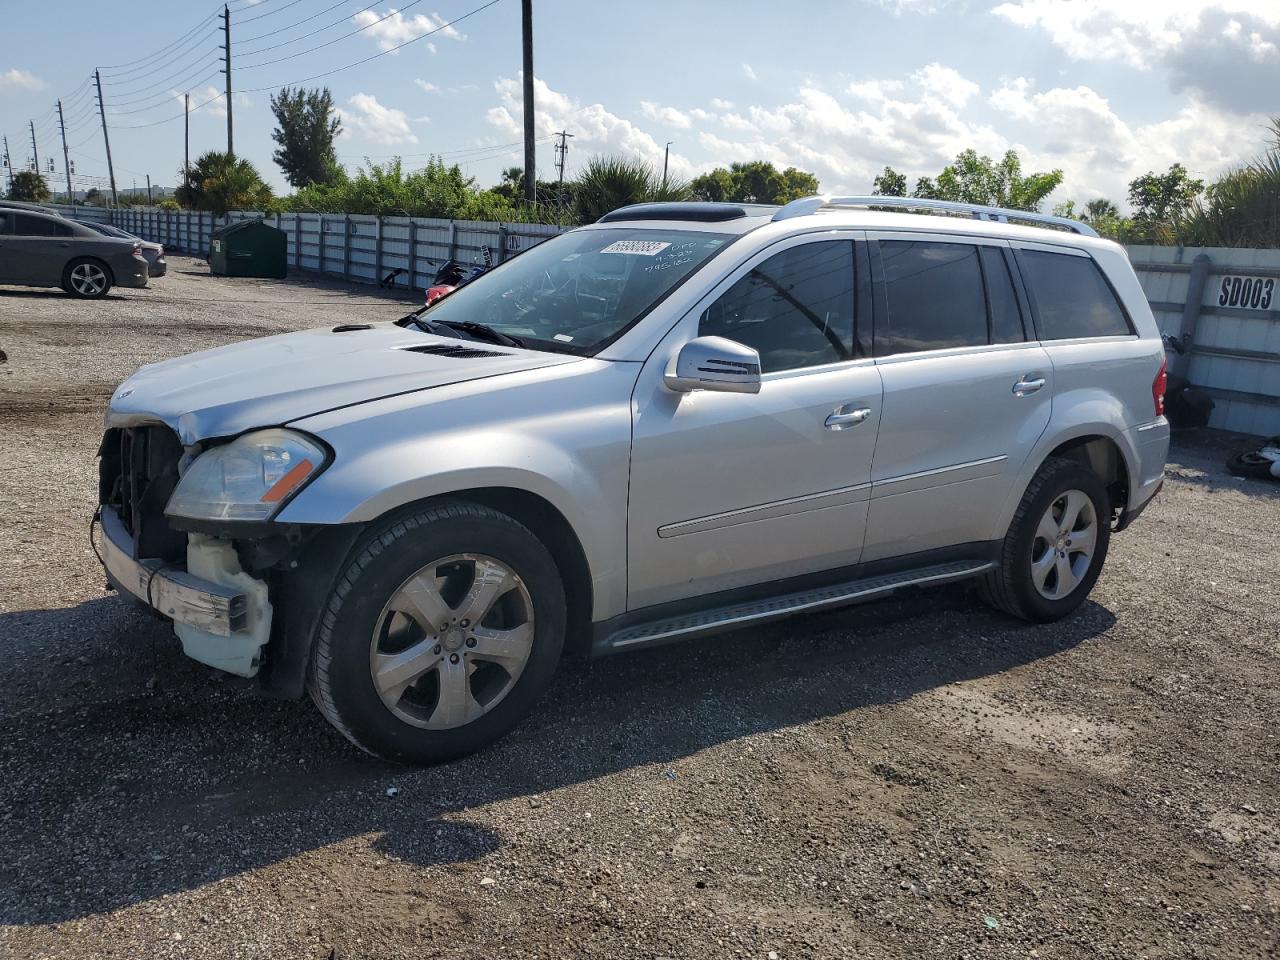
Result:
1104,89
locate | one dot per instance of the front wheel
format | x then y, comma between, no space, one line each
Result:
1056,545
86,279
440,634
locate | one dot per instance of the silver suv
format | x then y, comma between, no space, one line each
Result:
678,420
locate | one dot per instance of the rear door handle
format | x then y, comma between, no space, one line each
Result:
1028,385
844,418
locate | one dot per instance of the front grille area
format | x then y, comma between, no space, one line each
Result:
137,472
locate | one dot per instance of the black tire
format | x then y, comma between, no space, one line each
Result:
1010,586
340,679
1250,464
79,291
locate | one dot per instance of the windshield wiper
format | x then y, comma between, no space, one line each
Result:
480,331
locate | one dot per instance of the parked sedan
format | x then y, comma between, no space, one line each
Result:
154,252
40,250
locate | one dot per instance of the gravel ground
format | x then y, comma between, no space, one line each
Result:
915,778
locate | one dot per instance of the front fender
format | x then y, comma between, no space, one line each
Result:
565,438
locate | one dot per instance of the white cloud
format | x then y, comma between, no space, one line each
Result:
669,116
940,81
16,79
393,28
426,86
748,71
209,100
595,129
376,122
1076,129
1228,50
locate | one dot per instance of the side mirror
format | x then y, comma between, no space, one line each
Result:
714,363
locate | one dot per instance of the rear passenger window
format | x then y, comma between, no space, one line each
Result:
935,297
1006,318
25,225
1072,297
795,309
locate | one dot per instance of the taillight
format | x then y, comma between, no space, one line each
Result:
1159,385
160,254
137,249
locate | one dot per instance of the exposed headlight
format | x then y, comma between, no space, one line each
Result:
248,478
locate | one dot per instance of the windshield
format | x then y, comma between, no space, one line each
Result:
577,291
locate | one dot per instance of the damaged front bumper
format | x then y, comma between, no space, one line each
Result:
221,614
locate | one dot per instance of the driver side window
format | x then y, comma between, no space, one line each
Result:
796,308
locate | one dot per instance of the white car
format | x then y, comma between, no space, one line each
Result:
681,419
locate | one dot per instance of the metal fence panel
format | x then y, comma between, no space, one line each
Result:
1232,351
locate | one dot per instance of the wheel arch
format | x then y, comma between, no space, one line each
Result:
306,590
82,258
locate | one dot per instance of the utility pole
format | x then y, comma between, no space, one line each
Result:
66,161
530,164
666,155
8,164
226,34
106,140
34,151
186,140
148,189
561,149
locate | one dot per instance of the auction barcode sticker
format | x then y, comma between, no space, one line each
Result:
645,248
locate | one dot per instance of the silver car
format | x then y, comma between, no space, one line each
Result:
681,419
153,252
48,250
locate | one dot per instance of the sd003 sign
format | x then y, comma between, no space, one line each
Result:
1250,293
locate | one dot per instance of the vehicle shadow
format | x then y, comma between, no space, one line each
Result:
112,794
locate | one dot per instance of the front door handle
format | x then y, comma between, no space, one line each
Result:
1028,385
843,418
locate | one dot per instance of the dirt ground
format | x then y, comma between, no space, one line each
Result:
915,778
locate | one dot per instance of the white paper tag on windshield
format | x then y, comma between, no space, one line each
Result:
645,248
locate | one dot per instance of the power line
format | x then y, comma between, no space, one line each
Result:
148,79
381,53
270,13
329,43
327,26
119,68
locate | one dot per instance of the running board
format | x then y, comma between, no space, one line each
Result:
719,619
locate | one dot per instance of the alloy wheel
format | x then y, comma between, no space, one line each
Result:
88,279
1064,544
452,641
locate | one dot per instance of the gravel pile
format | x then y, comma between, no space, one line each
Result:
915,778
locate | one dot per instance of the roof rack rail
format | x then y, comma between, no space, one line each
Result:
807,205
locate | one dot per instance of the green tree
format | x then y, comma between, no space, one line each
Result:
94,197
1100,209
974,179
29,187
306,126
1242,208
609,182
890,183
221,182
758,181
1163,197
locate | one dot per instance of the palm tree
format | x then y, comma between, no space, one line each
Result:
1243,208
610,182
1100,209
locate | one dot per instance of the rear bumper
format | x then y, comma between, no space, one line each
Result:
1131,514
173,593
133,272
158,267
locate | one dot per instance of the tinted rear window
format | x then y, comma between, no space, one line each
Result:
1072,297
935,297
26,225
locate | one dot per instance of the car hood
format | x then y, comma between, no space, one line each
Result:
271,381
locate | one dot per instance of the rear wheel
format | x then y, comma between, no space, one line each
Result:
442,632
86,279
1056,545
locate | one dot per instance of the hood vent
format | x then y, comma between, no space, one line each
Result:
458,352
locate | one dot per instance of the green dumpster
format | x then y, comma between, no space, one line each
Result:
248,248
